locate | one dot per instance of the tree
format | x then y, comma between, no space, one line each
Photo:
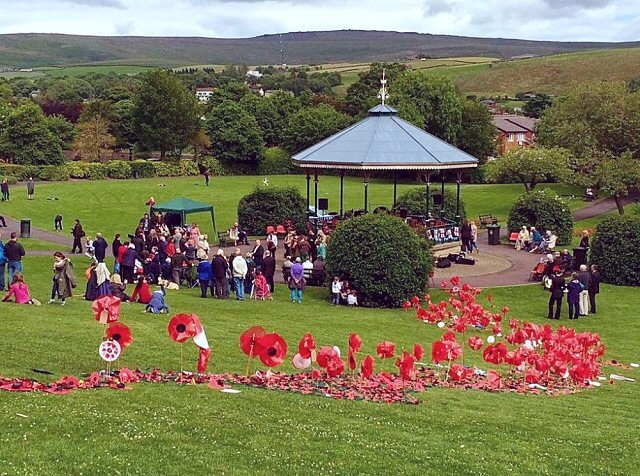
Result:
436,100
615,250
530,166
536,105
62,129
93,137
123,126
544,210
362,95
616,177
478,135
235,134
166,115
311,125
266,114
27,138
266,206
69,90
597,122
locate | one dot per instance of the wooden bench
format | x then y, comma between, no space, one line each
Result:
488,219
225,240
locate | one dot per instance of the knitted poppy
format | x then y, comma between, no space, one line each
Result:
249,338
335,367
495,354
306,345
182,327
106,309
460,373
273,349
406,365
325,354
120,332
353,364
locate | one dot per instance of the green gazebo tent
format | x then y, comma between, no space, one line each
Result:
184,206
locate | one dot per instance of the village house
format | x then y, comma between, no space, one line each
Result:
203,94
515,132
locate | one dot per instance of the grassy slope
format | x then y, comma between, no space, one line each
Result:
165,429
121,203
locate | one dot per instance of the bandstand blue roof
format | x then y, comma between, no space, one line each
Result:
383,141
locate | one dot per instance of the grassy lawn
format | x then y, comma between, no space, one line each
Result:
166,428
117,205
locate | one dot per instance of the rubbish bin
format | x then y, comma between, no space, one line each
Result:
579,257
25,228
493,233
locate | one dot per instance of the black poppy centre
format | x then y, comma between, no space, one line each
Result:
181,327
272,351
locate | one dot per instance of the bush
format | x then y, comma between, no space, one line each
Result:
142,169
382,258
55,173
614,249
96,171
11,180
118,169
175,169
77,170
544,210
213,165
277,161
414,201
13,170
271,206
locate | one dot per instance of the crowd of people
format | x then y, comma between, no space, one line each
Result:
581,291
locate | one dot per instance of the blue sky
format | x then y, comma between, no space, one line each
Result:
561,20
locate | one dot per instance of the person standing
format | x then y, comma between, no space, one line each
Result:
31,188
14,252
474,236
573,296
5,190
594,287
3,264
585,280
206,177
296,281
115,247
465,236
258,254
100,246
220,267
557,291
78,234
204,277
269,270
239,266
64,278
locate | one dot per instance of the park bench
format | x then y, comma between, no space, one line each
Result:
487,219
513,237
225,240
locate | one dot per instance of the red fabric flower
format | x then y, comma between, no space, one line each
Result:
459,372
203,360
249,338
121,333
335,367
415,301
455,281
418,351
407,305
306,345
445,351
325,354
505,310
449,336
106,309
497,328
273,349
368,365
125,375
495,354
476,343
406,365
353,364
386,349
494,381
355,342
182,327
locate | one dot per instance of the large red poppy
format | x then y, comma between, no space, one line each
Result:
249,338
446,350
182,327
418,351
273,349
495,354
406,365
355,342
335,366
386,349
325,354
120,332
106,309
368,365
459,372
306,345
476,343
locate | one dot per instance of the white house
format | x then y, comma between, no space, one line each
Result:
203,94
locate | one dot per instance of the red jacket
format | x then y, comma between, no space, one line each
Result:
143,293
121,251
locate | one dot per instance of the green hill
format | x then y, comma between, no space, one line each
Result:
27,50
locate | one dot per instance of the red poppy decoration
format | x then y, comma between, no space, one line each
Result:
355,342
182,327
494,381
272,349
106,309
325,354
476,343
406,365
495,354
439,352
335,367
203,360
418,351
459,372
455,281
368,364
386,349
249,338
353,364
407,305
306,345
120,332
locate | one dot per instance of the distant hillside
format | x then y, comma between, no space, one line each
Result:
27,50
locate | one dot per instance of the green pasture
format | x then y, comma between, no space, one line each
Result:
170,429
74,71
115,206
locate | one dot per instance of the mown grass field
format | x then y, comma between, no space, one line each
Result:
116,206
171,429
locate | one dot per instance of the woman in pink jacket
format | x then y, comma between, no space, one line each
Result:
20,289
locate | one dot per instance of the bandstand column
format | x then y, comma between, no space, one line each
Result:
458,180
341,194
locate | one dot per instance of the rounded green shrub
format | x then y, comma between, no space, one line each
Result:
614,249
142,169
277,161
382,258
544,210
414,201
77,170
55,173
271,206
96,171
13,170
213,165
118,169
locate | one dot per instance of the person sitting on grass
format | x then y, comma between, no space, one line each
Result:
157,304
352,298
118,288
142,291
19,289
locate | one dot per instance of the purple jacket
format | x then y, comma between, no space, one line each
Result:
574,287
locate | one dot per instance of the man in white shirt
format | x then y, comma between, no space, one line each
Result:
240,269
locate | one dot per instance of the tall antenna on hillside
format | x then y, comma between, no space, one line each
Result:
383,95
282,63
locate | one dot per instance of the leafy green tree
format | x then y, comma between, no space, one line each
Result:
235,134
167,114
69,90
616,177
478,135
436,100
363,94
27,138
267,116
311,125
615,250
62,129
530,167
597,122
93,137
536,105
123,126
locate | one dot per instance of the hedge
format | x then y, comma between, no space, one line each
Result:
271,206
277,161
544,210
614,249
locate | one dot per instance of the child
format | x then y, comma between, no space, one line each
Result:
352,299
58,222
157,303
336,287
142,291
20,289
262,290
90,249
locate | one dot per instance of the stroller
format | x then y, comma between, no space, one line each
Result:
261,288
